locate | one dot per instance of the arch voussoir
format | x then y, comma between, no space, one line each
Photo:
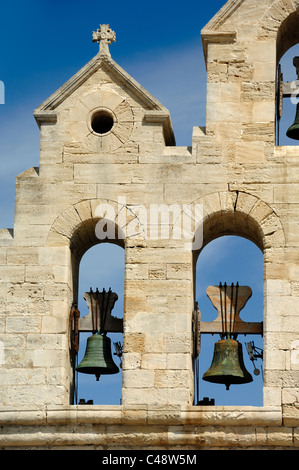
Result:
243,214
79,220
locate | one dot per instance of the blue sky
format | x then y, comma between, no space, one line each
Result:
43,43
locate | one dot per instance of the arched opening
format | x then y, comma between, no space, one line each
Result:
102,267
287,76
235,241
87,224
98,269
230,259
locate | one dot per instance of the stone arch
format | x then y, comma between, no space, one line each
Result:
76,228
240,213
237,213
288,34
243,214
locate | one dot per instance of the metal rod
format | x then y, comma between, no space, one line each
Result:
231,308
225,310
92,312
197,379
221,307
236,304
102,311
107,305
97,308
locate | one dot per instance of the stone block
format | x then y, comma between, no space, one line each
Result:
264,111
250,152
277,287
179,343
262,51
22,255
275,360
23,325
12,273
136,271
157,271
131,361
53,256
54,291
134,342
31,235
48,358
232,112
140,378
174,379
280,437
149,396
179,271
178,361
39,273
272,396
153,361
41,395
54,324
290,396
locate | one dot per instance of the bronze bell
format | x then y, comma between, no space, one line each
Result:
98,358
293,130
227,365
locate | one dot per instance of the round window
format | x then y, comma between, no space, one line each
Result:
102,122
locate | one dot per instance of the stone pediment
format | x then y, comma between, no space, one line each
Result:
228,9
214,31
223,27
154,111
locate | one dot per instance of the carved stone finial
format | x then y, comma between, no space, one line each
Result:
104,36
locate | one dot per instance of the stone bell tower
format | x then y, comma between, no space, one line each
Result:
108,166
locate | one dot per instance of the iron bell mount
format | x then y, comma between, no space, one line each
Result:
100,306
225,293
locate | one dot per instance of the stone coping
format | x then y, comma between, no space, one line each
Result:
143,416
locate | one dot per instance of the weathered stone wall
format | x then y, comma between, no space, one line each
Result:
247,186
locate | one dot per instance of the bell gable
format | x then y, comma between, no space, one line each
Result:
101,107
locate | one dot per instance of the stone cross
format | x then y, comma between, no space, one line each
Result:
104,36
